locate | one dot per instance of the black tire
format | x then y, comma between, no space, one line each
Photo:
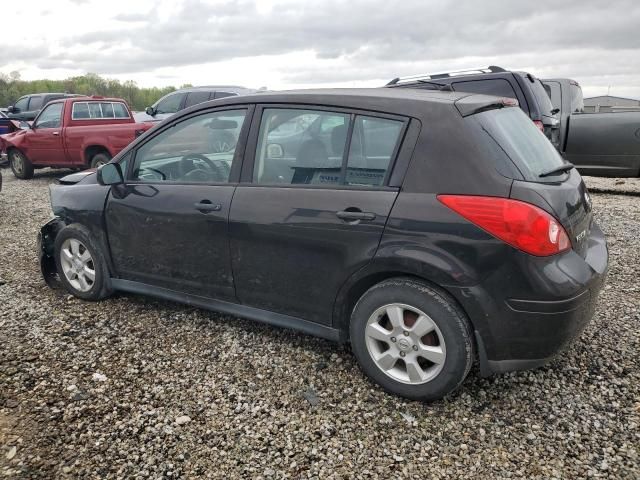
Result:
453,328
99,287
99,159
21,166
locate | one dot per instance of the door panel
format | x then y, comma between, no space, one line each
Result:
46,145
161,235
293,248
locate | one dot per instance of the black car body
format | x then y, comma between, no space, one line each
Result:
524,87
27,107
597,143
317,234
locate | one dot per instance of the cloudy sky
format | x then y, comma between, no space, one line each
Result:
292,43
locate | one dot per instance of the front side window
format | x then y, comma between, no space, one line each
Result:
308,147
198,149
50,117
21,104
171,104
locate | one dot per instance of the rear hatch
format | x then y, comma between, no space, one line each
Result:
562,194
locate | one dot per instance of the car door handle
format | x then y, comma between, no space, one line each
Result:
354,215
55,133
206,206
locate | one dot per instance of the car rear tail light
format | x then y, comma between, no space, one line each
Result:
540,125
521,225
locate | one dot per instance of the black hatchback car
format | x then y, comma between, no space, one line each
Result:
428,229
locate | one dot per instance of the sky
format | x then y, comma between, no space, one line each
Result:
300,44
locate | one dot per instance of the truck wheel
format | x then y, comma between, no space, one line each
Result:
412,339
80,263
21,166
99,159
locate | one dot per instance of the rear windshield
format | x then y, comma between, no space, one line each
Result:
526,146
544,102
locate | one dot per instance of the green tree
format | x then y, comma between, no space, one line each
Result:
12,87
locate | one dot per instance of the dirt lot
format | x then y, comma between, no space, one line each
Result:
138,388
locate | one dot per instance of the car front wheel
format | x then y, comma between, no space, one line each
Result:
80,264
21,166
412,339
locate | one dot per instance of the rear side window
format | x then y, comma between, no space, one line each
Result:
518,137
98,110
577,102
312,147
194,98
498,87
542,97
35,103
224,94
373,145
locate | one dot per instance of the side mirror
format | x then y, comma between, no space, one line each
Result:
150,111
24,125
12,109
275,150
554,111
110,174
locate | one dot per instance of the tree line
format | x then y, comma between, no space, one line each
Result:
13,87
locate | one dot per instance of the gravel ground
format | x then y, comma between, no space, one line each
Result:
138,388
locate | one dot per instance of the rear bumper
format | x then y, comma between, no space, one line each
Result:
560,296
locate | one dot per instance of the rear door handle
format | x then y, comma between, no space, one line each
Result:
206,206
55,133
352,216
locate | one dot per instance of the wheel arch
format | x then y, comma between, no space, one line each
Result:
92,150
373,274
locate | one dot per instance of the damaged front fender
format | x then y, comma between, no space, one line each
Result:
45,242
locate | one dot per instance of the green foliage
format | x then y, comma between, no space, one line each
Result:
12,87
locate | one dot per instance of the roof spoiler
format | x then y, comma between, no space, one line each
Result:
472,104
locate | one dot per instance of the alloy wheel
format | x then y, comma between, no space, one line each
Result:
405,343
77,265
17,163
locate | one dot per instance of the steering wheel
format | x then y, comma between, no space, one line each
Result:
218,170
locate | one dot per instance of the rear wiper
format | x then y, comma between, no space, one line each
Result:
441,86
561,169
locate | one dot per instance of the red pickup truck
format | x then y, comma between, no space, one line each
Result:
80,132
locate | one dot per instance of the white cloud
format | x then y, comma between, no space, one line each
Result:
288,43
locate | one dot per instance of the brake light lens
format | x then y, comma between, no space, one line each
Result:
540,125
521,225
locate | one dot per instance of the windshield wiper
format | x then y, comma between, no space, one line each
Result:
441,86
561,169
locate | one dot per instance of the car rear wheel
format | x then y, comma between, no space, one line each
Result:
80,264
99,159
412,339
21,166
